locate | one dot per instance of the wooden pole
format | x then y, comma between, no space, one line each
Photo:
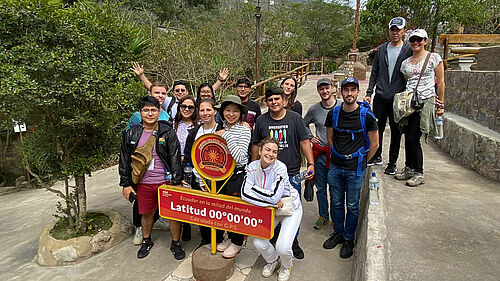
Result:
257,41
356,24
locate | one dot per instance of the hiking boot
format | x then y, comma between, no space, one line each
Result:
297,251
270,268
416,180
391,169
177,250
221,247
137,236
333,241
284,274
347,249
231,251
374,161
186,231
146,245
321,222
404,174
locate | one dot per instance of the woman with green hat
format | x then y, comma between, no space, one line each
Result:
237,135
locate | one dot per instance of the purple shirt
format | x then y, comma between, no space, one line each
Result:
154,174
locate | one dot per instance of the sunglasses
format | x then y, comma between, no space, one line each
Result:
188,107
416,39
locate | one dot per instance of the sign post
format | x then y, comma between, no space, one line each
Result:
212,161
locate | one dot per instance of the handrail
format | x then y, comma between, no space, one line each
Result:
300,74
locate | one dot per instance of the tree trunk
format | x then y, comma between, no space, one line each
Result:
82,202
68,205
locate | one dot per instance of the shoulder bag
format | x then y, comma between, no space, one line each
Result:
406,102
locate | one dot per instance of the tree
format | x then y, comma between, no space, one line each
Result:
64,71
430,14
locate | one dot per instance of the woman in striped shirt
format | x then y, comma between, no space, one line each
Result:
237,135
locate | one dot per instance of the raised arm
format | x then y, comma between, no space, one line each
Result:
223,74
139,71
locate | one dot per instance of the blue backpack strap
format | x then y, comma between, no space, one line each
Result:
335,117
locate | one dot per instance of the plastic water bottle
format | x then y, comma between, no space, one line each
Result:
298,178
439,127
374,186
188,174
168,176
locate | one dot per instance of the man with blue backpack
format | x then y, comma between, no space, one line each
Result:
352,132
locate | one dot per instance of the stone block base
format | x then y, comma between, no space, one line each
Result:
208,267
472,144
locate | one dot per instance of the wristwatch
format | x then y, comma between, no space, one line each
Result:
310,164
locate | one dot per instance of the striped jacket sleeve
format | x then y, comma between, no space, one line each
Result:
238,140
262,196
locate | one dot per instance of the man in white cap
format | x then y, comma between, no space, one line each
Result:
388,80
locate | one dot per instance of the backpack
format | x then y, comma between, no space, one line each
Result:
364,109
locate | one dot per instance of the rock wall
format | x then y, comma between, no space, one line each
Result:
474,95
474,145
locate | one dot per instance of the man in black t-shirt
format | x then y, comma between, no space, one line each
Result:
243,89
350,153
289,129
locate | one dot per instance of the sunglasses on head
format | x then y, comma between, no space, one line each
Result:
188,107
416,39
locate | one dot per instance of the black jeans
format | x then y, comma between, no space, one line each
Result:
382,108
413,148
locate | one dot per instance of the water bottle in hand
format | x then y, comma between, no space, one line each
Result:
298,178
374,193
188,174
439,128
168,176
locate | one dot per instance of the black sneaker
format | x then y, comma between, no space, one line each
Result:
177,250
297,251
374,161
391,169
143,252
203,243
347,248
186,231
333,241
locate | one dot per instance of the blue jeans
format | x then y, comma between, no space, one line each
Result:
345,185
320,173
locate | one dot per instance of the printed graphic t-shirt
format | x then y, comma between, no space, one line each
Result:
289,131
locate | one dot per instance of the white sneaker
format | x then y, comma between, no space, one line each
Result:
270,268
221,247
138,236
231,251
284,274
162,224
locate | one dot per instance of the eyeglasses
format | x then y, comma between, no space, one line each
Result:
180,90
188,107
153,110
243,87
416,39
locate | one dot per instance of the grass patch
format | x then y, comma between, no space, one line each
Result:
95,223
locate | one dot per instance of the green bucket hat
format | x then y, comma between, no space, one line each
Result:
229,99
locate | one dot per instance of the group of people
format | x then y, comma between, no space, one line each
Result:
268,148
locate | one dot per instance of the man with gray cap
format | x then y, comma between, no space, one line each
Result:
388,81
316,114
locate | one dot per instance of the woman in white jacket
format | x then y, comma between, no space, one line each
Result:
265,185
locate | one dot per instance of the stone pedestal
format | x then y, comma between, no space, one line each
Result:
463,64
208,267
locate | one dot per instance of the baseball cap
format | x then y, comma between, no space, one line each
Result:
398,22
324,81
349,80
419,33
243,80
274,91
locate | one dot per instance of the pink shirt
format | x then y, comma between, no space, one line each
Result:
154,173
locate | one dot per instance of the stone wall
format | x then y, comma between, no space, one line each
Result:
474,145
474,95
